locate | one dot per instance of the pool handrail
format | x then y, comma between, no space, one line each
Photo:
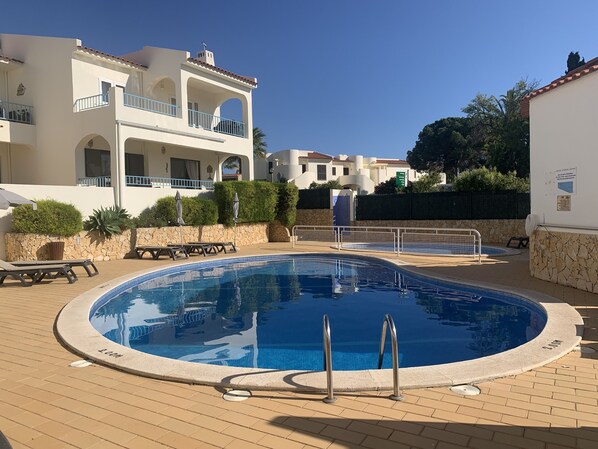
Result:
329,399
397,235
389,324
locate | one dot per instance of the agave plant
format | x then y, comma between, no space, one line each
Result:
107,221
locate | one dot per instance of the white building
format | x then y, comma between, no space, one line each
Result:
564,186
359,173
71,115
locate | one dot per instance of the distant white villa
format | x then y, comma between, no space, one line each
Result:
71,115
359,173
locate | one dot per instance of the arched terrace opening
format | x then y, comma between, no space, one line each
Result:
93,161
164,91
232,169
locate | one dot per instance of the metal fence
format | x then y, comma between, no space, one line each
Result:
444,206
397,240
15,112
150,181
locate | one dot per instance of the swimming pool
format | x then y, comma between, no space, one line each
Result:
187,307
268,313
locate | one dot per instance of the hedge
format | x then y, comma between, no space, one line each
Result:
51,218
257,201
196,212
286,209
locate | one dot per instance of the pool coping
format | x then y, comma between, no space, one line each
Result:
563,331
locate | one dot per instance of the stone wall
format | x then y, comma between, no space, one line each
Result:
314,217
91,245
278,232
565,258
492,231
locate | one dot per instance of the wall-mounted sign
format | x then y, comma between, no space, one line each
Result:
563,203
400,180
562,182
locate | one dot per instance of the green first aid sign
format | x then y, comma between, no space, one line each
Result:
401,179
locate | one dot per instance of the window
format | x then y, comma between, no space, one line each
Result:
333,171
193,112
134,164
345,171
321,173
184,168
97,163
303,168
105,86
270,167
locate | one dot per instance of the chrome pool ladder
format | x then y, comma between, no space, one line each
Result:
328,360
389,324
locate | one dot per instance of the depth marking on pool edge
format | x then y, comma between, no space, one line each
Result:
105,351
553,344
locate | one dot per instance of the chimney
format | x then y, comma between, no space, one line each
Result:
206,56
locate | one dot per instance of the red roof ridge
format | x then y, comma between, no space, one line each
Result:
245,79
316,155
107,55
7,59
589,67
391,161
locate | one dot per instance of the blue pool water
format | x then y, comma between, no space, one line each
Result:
425,248
267,312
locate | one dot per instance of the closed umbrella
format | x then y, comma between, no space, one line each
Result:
179,213
235,215
11,199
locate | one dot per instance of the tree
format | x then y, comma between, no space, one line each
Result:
447,145
574,61
481,179
503,131
389,186
427,183
259,143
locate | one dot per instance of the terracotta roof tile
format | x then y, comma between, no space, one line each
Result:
392,161
589,67
109,56
7,59
245,79
316,155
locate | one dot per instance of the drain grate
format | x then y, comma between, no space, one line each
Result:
236,395
81,364
465,390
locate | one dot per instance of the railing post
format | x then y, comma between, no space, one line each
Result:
328,361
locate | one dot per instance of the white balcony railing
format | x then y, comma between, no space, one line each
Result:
150,181
195,118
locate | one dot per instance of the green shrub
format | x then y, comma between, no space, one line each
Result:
257,201
484,179
332,184
427,183
196,212
51,217
286,209
109,221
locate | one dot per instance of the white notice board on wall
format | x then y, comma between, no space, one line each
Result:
561,182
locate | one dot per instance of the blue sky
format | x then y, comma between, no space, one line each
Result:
351,77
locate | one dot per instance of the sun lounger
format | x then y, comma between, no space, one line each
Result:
174,252
220,246
521,242
87,264
33,274
199,248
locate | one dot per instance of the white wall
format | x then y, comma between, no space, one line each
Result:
86,199
564,135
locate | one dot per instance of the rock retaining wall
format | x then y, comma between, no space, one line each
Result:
492,231
91,245
565,258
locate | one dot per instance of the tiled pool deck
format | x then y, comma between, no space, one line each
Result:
46,404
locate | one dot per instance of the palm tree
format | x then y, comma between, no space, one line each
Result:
259,144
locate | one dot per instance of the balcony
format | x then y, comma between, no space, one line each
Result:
14,112
196,119
150,181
